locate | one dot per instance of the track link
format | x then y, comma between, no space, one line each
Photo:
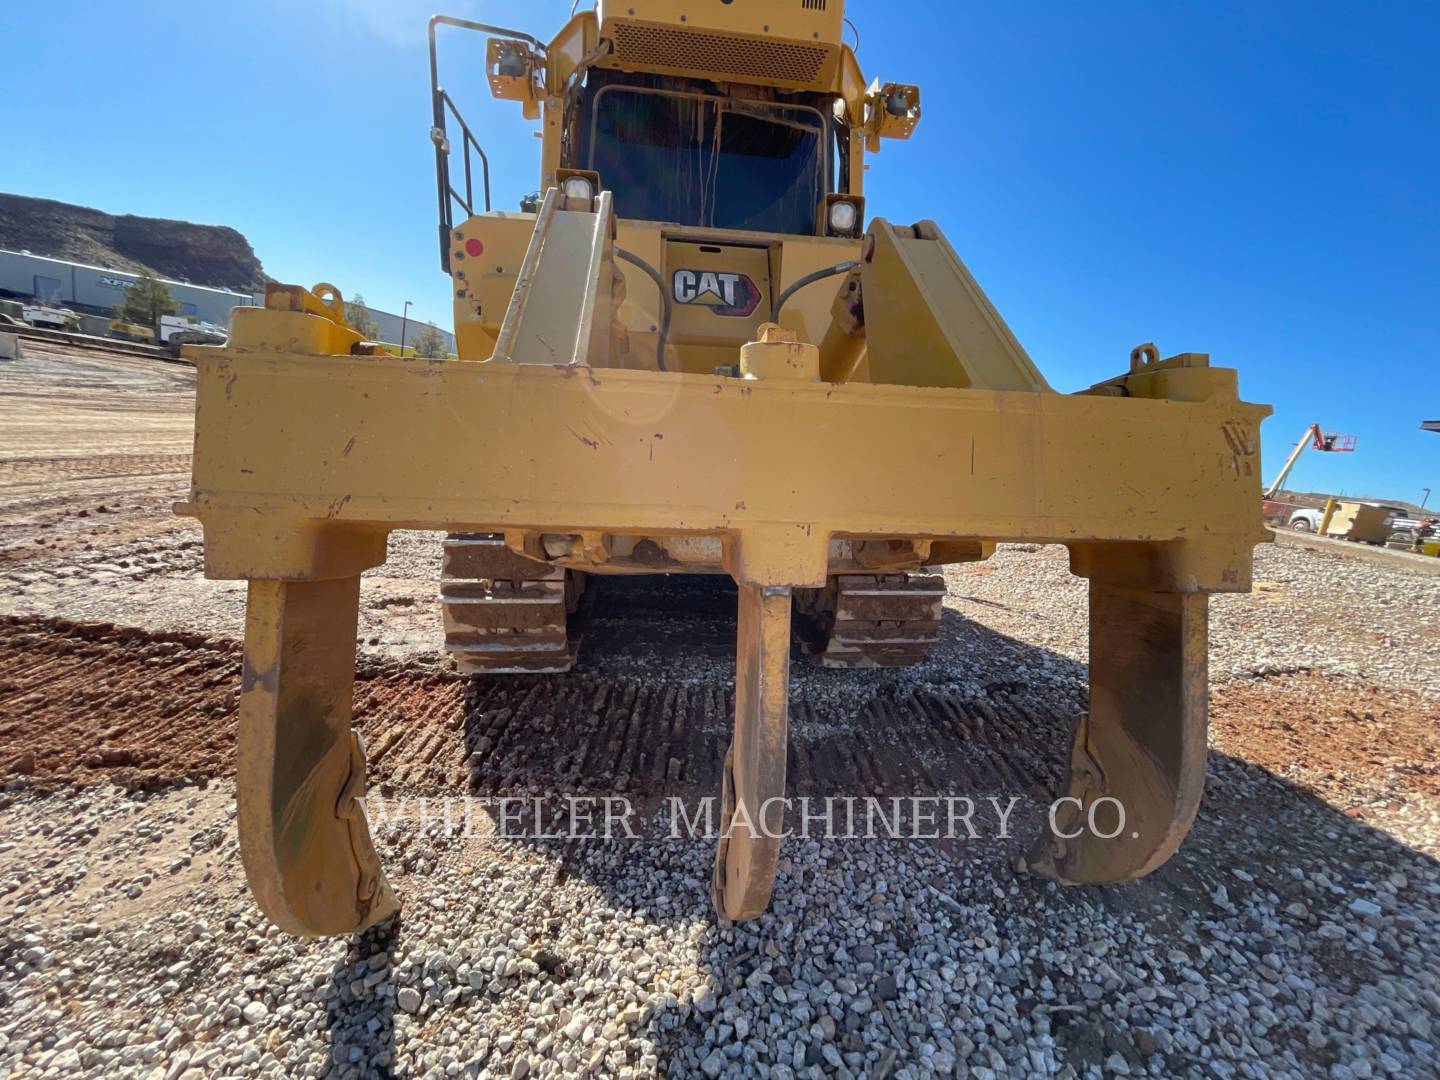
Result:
505,613
878,620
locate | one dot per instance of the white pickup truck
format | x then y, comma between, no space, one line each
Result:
46,317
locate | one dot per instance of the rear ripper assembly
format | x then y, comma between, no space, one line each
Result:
862,419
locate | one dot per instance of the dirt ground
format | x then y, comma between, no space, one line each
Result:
120,662
94,452
169,702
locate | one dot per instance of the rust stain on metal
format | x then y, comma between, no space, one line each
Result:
252,678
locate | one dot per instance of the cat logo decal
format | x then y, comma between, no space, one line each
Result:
723,293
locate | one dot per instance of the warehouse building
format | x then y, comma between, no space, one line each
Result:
392,327
95,290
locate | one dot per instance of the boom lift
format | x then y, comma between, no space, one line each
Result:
1326,443
692,355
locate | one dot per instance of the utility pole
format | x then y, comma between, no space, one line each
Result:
1428,425
404,322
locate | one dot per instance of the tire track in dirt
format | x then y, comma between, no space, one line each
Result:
87,703
82,704
79,704
20,471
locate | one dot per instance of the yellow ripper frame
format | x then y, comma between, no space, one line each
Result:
306,457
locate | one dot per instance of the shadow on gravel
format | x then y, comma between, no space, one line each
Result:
1267,875
361,1021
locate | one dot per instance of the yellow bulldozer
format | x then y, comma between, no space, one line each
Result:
691,355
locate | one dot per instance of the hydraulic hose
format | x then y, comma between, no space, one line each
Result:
636,260
809,279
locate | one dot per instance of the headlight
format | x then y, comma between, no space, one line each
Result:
842,218
512,61
579,187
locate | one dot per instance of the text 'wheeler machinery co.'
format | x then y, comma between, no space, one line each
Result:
691,355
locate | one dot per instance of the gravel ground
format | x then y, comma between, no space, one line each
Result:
1301,954
1310,610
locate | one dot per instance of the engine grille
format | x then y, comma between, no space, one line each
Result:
741,57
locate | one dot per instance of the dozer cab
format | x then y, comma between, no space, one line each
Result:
691,354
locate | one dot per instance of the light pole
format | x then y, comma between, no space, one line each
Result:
404,321
1425,499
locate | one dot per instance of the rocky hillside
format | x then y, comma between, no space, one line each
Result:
214,255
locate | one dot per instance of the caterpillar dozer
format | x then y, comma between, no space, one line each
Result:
691,354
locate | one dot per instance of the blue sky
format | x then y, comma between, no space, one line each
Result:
1259,181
